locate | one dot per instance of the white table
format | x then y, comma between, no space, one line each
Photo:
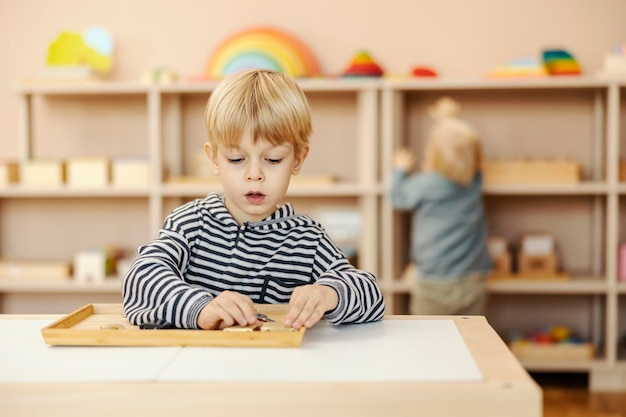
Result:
402,366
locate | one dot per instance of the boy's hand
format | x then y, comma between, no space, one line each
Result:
403,159
308,305
226,310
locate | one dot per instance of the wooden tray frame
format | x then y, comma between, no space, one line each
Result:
106,325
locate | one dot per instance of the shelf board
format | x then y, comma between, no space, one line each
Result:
552,365
111,286
414,84
330,84
621,287
335,190
575,285
583,188
24,192
320,84
299,190
189,87
53,87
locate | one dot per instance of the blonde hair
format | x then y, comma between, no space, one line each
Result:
267,103
453,149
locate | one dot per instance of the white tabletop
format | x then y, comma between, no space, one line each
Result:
404,366
390,350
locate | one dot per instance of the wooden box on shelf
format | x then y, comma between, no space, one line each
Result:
35,270
622,171
537,265
9,173
130,172
498,249
90,266
532,171
88,172
43,173
537,256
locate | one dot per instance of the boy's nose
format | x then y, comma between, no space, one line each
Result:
254,173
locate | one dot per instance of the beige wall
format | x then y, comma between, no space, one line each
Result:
459,38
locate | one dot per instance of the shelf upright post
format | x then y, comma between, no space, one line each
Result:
598,151
156,163
367,139
599,143
598,147
612,173
25,127
392,121
172,137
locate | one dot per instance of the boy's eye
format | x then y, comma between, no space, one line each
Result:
274,160
235,160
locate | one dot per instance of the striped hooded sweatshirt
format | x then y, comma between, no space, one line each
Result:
201,251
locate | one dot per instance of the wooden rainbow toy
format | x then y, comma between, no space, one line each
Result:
263,47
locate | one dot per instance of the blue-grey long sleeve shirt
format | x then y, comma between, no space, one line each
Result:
449,230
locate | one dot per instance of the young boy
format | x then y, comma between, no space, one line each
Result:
217,256
449,236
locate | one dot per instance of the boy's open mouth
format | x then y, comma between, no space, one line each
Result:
255,197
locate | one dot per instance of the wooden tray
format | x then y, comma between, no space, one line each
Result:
106,325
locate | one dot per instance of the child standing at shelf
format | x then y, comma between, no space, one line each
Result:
216,257
449,232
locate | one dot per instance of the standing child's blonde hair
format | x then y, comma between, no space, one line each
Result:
453,149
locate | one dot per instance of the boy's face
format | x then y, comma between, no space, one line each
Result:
255,176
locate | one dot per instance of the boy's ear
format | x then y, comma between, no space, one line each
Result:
299,160
208,149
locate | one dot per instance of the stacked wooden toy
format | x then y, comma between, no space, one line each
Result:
363,65
560,62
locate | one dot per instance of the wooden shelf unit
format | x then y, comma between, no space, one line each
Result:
169,133
357,123
571,117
